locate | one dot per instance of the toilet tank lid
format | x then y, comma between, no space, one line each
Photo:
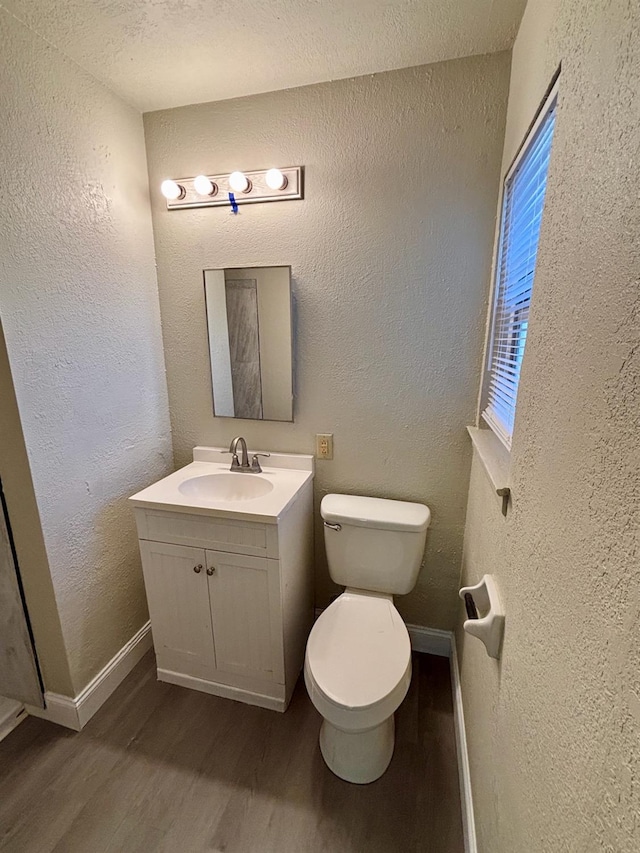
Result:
375,512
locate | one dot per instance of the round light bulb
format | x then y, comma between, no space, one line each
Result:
239,182
275,180
203,186
171,190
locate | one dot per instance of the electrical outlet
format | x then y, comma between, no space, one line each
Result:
324,446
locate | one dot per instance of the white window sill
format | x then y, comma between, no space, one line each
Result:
493,455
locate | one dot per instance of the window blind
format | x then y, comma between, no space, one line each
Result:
522,204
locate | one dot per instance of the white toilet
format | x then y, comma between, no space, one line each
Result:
358,662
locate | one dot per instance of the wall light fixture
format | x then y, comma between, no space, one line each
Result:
234,189
172,190
203,186
275,180
239,182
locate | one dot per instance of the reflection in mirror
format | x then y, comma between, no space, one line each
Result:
250,342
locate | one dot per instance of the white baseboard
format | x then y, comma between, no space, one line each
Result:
466,796
75,713
443,643
58,709
431,641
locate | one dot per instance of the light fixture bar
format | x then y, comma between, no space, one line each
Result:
259,190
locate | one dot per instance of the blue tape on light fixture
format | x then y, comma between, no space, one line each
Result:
233,203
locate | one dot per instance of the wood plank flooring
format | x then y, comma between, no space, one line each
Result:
162,769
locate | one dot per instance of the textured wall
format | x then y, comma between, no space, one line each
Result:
79,307
390,252
554,727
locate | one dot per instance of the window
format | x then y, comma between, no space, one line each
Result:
522,203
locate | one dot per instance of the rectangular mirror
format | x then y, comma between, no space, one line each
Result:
250,342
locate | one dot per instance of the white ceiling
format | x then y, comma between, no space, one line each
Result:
166,53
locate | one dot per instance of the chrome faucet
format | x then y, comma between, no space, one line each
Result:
244,467
236,465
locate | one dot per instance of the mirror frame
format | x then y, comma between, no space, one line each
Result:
291,338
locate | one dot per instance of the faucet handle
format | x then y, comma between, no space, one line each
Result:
235,462
255,465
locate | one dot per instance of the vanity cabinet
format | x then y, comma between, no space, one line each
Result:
230,600
176,585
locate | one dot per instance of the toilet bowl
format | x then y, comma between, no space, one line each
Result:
357,671
358,658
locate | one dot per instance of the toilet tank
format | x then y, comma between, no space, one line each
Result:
373,543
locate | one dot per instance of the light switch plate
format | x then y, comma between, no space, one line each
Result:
324,446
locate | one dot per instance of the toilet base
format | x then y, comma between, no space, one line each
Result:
358,757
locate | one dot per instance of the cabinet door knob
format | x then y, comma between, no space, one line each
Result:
197,569
211,570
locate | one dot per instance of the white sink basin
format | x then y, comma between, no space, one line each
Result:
226,487
207,487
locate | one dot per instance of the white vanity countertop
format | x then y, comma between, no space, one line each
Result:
287,472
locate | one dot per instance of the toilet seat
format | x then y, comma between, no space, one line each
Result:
358,660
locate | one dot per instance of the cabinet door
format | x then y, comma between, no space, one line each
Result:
176,582
244,594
